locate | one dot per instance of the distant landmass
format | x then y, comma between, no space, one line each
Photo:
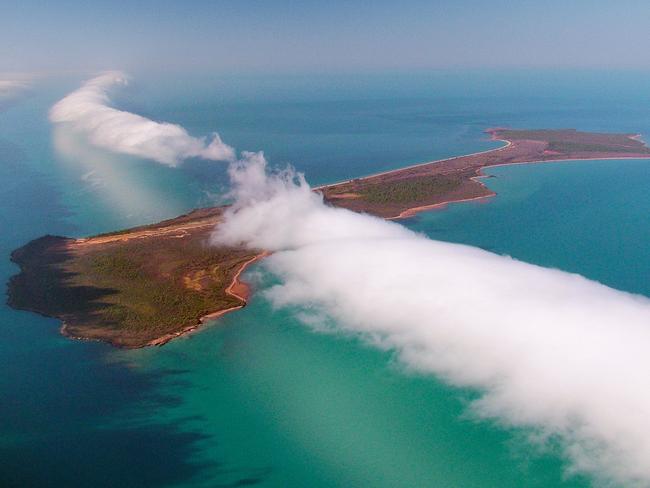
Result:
147,285
404,192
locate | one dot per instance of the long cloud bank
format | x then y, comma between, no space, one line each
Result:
548,351
88,111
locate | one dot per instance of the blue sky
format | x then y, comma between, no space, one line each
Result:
280,36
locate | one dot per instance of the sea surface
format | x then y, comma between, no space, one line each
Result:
258,399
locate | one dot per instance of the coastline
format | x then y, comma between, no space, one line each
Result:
408,213
243,296
413,211
518,145
506,145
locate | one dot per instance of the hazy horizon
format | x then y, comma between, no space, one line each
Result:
251,36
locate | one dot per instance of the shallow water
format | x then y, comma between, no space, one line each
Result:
258,399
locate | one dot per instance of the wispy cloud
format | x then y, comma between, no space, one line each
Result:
88,111
12,87
553,352
9,87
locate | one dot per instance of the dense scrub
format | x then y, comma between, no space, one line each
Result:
410,190
127,292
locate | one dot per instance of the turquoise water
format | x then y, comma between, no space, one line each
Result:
587,217
258,399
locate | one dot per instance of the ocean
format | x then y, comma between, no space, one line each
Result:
257,399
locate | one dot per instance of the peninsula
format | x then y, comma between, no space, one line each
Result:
134,288
147,285
403,192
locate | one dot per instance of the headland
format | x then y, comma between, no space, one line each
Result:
133,288
148,285
404,192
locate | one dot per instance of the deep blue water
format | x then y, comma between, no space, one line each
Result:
259,400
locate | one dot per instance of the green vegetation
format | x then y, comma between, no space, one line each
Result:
572,141
574,147
410,190
143,285
127,292
151,282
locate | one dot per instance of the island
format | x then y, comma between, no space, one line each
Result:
134,288
147,285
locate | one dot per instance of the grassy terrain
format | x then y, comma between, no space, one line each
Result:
573,147
571,141
127,292
394,193
152,282
410,190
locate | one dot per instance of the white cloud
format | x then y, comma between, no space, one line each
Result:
12,87
112,183
549,351
88,111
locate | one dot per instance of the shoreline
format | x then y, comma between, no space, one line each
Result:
472,168
161,341
408,213
243,296
418,165
412,212
165,338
